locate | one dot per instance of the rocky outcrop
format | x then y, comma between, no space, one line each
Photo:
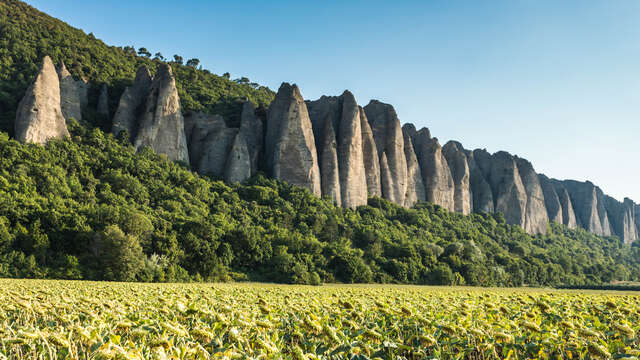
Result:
622,218
252,130
416,192
39,114
509,193
238,166
388,137
435,170
568,212
480,188
131,104
461,174
71,94
370,156
197,128
290,146
585,203
607,229
536,218
216,148
551,200
103,102
337,129
161,125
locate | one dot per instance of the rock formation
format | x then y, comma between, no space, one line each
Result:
103,102
585,203
252,130
131,103
370,157
536,218
337,128
551,200
509,193
197,128
161,125
457,160
622,218
39,114
480,188
388,137
435,170
416,192
238,166
71,94
568,213
290,146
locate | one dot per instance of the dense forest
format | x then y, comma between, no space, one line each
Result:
27,35
91,207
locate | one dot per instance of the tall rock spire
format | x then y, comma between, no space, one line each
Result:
39,115
131,101
460,172
389,140
370,156
290,146
536,218
162,125
70,94
435,170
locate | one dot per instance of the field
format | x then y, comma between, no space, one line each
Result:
88,320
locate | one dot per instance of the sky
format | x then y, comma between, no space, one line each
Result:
555,82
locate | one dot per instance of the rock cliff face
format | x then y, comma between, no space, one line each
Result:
290,146
435,170
72,94
131,101
331,146
39,114
536,218
387,134
461,174
161,125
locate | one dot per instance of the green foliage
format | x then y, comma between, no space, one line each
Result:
27,35
94,208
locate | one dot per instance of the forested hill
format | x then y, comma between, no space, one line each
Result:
27,35
92,207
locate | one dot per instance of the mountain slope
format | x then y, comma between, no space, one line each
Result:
94,208
27,35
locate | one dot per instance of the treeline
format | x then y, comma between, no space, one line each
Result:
27,35
91,207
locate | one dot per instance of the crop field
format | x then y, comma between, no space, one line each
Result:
91,320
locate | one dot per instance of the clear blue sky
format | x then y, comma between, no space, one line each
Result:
556,82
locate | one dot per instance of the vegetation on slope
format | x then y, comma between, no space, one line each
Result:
27,35
90,207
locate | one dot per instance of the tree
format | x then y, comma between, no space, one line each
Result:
193,62
158,56
144,52
177,59
122,255
226,75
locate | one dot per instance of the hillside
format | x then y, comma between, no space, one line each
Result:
27,35
94,208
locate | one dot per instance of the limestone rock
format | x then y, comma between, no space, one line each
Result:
70,94
39,115
636,210
103,102
461,174
416,192
290,147
215,151
509,194
607,229
386,179
536,217
251,128
197,127
388,137
162,124
622,218
551,200
480,188
370,157
328,158
585,204
341,116
568,212
435,170
131,103
238,166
